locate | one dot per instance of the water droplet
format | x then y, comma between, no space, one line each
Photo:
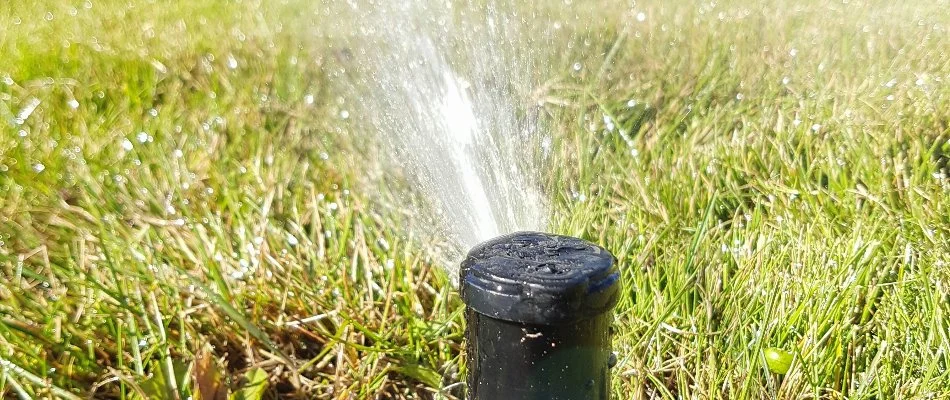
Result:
38,167
739,96
816,127
641,17
793,52
292,240
27,110
577,66
308,99
126,144
786,80
142,137
72,103
890,97
177,153
232,62
344,114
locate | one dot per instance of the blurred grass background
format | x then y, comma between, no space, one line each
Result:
182,212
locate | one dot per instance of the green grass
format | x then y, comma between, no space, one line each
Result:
786,186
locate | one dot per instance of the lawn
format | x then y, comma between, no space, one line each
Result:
183,209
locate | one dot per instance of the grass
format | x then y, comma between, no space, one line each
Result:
170,224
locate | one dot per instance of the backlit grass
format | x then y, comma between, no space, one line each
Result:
183,209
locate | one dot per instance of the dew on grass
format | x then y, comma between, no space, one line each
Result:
126,144
344,114
641,16
292,240
177,153
73,104
786,80
308,99
27,110
38,167
142,137
793,52
577,66
890,97
232,62
816,127
608,123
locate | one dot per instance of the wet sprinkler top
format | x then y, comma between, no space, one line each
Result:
539,278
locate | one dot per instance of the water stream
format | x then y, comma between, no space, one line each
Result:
447,90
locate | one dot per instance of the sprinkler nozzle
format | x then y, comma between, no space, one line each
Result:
538,320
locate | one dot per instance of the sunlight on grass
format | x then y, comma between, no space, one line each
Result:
177,185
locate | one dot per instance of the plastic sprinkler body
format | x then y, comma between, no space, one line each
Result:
538,320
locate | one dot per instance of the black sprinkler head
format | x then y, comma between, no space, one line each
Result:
538,318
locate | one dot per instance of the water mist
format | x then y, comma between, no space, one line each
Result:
447,91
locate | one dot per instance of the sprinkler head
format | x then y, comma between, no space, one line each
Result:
538,317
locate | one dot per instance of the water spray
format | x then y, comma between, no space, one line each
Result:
538,320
